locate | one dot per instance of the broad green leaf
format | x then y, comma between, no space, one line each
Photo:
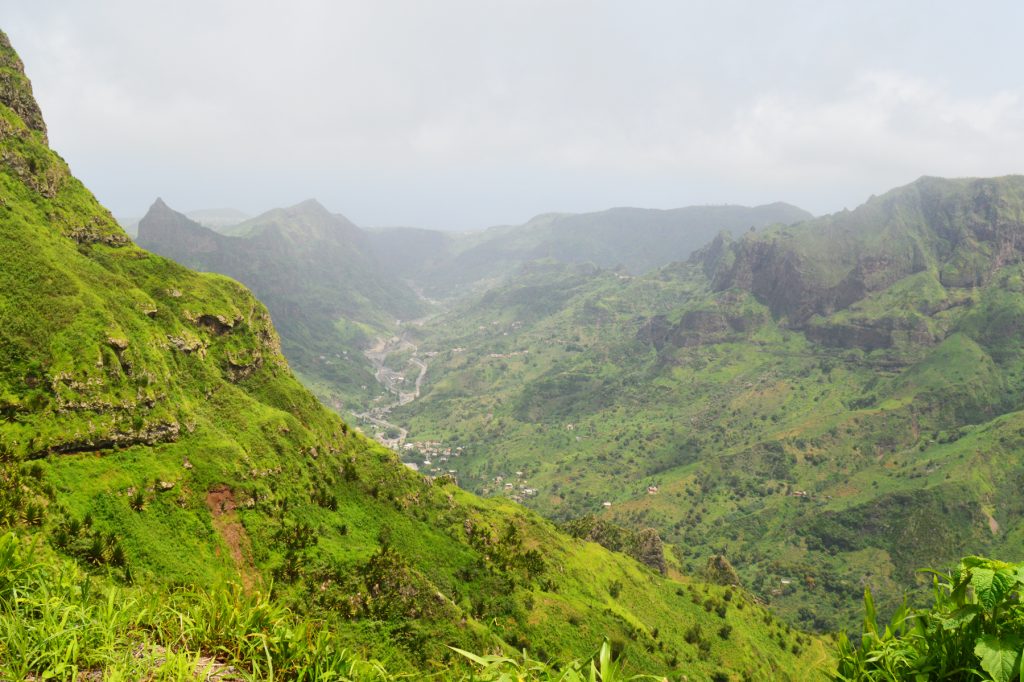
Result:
1000,656
991,586
981,581
1006,579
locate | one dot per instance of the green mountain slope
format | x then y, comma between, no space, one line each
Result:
636,239
152,432
318,277
830,404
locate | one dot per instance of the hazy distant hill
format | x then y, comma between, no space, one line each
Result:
324,286
636,239
832,404
218,219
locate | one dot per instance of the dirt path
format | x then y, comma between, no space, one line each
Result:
221,503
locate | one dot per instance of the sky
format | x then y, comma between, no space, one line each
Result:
460,114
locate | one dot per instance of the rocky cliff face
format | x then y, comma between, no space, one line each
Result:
965,229
16,90
731,319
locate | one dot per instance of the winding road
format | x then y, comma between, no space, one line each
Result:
392,380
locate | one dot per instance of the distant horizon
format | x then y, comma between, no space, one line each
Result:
255,214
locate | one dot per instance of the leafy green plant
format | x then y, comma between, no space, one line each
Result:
974,630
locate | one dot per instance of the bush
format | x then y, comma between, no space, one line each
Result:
974,630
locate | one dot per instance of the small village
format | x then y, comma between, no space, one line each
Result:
515,487
430,457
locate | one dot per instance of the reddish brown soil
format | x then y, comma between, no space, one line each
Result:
221,502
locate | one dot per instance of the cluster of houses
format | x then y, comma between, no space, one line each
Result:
516,489
429,456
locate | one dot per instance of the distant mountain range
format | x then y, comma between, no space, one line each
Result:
636,239
332,287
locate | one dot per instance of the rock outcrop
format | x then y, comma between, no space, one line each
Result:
16,90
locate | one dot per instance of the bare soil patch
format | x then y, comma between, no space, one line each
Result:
221,503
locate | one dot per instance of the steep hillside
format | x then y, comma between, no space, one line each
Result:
317,275
152,433
831,404
636,239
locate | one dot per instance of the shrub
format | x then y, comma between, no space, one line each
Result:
974,630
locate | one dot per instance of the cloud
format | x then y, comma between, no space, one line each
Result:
465,113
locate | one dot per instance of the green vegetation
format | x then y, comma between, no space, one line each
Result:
973,631
827,405
58,622
61,623
172,497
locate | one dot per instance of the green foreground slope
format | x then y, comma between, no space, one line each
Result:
832,404
152,433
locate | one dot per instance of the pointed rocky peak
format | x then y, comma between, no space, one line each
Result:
162,223
16,90
159,210
159,206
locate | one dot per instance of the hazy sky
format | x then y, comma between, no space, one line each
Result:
460,114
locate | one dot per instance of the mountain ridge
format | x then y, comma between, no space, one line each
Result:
637,239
